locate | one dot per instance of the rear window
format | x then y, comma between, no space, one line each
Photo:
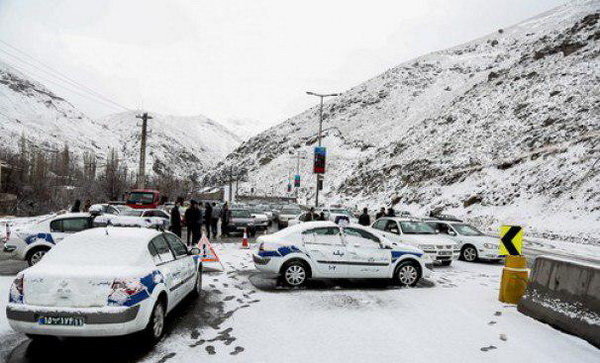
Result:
132,213
145,198
239,213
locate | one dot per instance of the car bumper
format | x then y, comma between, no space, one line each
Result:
441,256
97,321
485,254
266,264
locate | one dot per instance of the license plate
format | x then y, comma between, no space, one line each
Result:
61,320
445,253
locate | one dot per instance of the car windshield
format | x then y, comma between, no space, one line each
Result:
414,227
291,211
240,213
132,212
467,230
140,197
342,211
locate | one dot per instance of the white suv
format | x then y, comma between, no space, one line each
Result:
415,232
473,244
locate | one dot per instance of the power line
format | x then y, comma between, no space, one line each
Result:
55,73
37,76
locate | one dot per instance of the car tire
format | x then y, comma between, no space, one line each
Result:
155,329
198,284
295,273
36,254
469,254
407,273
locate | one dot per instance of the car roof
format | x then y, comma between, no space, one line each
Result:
116,235
73,215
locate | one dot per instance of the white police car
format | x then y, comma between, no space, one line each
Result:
105,282
473,244
326,250
32,242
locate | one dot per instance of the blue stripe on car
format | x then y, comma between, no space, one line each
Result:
281,251
149,281
43,236
397,254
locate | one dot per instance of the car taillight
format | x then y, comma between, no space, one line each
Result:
123,289
16,290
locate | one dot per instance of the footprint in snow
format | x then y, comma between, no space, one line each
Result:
199,342
485,349
503,337
497,313
212,285
244,306
239,300
254,301
230,297
237,350
225,285
492,322
211,349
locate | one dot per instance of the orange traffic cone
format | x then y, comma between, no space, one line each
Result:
245,240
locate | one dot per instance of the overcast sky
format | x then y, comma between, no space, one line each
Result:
250,59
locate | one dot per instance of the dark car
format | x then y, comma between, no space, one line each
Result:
241,219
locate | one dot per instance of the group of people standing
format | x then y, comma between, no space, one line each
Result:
365,220
198,215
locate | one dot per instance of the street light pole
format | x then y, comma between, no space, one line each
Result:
321,96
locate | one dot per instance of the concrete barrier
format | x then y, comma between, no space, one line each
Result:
566,295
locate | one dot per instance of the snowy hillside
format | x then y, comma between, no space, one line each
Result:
244,128
176,145
47,120
501,129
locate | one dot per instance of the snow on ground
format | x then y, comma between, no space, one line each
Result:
458,317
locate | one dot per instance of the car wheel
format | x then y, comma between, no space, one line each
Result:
34,256
407,273
295,274
469,254
156,326
198,285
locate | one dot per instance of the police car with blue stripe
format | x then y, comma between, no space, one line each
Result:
324,249
32,242
105,282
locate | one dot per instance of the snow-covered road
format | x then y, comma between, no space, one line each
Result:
244,317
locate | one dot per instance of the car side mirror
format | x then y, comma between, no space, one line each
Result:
195,251
452,233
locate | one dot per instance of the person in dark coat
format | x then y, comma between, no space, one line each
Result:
380,214
364,219
193,221
207,218
176,220
321,216
76,206
391,212
225,217
87,205
214,220
311,216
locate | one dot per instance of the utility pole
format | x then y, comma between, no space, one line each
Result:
322,96
141,182
230,184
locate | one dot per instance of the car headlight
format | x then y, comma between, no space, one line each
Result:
491,246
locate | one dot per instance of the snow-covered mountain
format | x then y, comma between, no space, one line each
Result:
501,129
244,128
176,145
47,120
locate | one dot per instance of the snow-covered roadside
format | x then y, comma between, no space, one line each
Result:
459,318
